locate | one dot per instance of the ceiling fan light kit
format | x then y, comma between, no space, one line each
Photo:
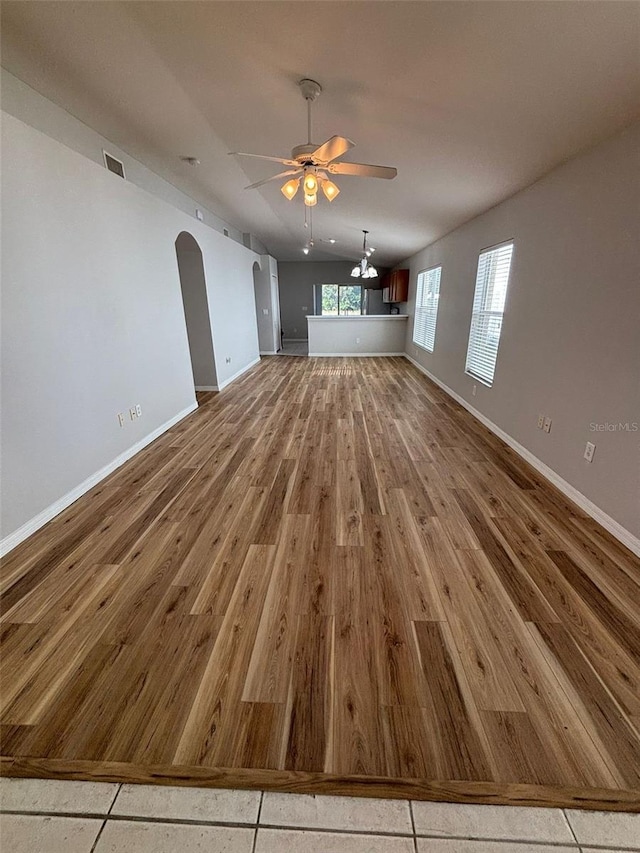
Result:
289,189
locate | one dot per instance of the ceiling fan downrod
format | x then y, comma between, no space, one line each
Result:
310,91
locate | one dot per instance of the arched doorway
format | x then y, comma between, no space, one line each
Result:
263,309
196,312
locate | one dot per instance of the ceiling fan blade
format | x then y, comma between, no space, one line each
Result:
273,178
264,157
362,170
332,148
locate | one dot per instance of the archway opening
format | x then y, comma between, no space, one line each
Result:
196,312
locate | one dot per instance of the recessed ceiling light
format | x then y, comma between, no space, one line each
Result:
332,239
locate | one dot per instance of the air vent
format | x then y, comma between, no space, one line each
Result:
113,165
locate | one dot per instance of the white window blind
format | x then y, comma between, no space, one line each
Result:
492,280
427,297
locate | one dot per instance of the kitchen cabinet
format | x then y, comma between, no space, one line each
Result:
395,286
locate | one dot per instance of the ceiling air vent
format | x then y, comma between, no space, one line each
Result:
113,165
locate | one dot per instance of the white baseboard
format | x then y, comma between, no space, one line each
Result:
615,528
354,354
242,370
9,542
268,352
207,388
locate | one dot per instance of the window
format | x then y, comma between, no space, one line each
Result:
340,299
427,296
488,307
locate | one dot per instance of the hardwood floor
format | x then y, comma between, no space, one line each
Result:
328,578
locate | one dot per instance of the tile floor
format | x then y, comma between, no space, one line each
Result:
294,348
44,816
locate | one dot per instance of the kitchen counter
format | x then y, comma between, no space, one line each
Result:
359,335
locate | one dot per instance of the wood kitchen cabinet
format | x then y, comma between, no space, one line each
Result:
395,286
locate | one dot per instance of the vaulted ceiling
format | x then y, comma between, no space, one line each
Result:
471,101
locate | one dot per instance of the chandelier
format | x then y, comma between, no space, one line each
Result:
364,269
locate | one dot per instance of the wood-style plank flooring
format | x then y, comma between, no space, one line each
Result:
330,577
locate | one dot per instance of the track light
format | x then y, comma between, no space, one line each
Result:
289,189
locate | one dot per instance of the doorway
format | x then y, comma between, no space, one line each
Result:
196,312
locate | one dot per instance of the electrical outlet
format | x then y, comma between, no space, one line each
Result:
357,340
305,307
547,425
473,390
228,359
199,215
121,419
265,311
132,413
589,450
138,410
540,421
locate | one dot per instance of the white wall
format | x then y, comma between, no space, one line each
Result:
92,318
570,346
358,335
23,102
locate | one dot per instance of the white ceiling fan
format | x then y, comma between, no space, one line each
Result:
311,162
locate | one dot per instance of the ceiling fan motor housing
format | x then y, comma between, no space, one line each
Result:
310,89
302,153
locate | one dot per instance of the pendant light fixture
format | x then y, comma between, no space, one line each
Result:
364,269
